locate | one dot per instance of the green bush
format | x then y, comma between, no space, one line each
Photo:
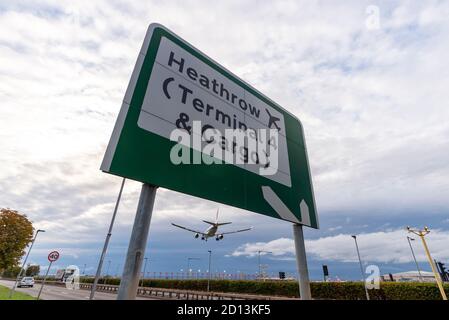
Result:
320,290
387,291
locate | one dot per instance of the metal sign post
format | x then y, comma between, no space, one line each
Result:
52,257
137,244
301,261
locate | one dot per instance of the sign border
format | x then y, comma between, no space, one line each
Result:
312,220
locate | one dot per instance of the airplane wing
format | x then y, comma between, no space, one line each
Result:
241,230
191,230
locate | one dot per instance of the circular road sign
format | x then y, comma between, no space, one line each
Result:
53,256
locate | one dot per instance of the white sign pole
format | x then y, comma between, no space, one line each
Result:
301,261
137,244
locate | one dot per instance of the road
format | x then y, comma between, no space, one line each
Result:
61,293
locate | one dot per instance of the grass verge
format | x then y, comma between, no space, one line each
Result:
4,295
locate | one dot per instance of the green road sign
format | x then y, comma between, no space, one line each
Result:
176,88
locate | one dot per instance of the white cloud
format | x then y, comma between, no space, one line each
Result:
278,247
381,247
373,103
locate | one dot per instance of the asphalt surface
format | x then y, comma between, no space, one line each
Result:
61,293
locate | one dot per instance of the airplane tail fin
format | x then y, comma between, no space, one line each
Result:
216,223
223,223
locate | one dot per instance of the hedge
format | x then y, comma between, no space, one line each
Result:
320,290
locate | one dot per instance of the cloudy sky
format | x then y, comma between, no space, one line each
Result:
368,79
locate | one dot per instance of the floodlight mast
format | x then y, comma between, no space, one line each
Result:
422,234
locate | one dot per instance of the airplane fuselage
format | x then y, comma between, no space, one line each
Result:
211,231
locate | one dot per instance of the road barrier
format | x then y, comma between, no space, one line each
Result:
175,294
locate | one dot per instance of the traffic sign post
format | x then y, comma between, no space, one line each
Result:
301,261
137,244
173,131
52,257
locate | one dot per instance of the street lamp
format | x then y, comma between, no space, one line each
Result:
106,243
24,261
107,272
422,234
144,270
188,264
414,258
208,271
361,267
258,253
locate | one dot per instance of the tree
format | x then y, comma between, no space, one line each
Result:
32,270
16,232
11,272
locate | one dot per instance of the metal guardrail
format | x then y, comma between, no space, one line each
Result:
176,294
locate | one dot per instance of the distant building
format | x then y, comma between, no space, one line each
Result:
409,276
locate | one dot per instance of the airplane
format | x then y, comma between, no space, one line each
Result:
273,121
212,230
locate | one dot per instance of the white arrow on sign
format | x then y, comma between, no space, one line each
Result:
282,210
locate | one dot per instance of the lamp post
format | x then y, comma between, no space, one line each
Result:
144,270
422,234
106,243
188,264
208,271
258,259
107,272
24,262
361,267
414,258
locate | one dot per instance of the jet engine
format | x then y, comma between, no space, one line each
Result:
196,235
219,237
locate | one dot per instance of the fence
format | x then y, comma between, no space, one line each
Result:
213,276
162,293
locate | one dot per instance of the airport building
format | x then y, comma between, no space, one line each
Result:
409,276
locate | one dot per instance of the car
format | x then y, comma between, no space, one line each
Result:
26,282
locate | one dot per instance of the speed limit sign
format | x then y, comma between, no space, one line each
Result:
53,256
